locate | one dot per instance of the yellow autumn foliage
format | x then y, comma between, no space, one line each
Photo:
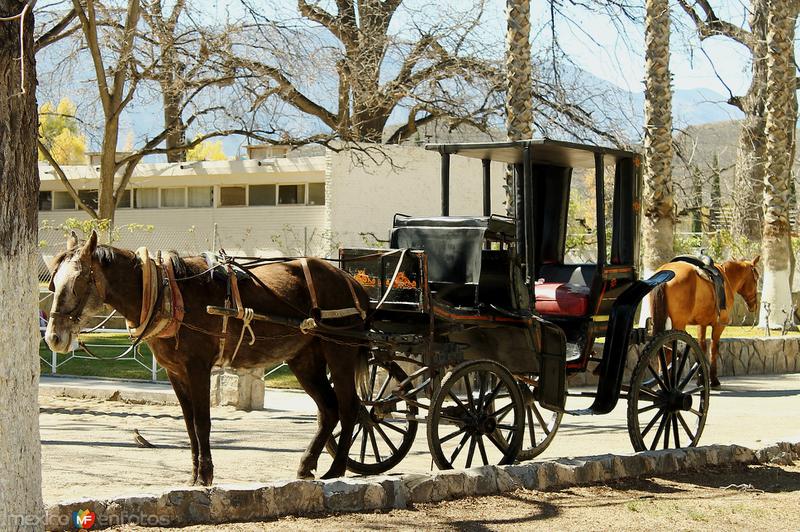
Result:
208,150
59,131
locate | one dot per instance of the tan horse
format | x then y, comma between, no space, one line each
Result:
688,299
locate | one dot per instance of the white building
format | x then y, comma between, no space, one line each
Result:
271,203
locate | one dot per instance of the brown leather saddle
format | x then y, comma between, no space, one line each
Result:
706,265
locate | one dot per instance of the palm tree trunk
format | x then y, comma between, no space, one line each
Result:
20,451
750,155
776,297
519,105
658,227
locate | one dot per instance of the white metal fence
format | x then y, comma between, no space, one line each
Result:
119,352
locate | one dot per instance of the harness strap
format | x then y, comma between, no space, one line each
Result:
176,301
247,317
149,293
355,298
315,312
234,285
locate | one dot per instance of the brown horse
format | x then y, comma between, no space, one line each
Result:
85,278
688,299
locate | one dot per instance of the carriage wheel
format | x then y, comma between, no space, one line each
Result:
477,417
384,432
668,398
541,425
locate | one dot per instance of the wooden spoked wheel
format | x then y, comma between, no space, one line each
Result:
669,393
477,417
385,427
541,425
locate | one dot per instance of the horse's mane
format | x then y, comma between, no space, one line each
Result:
106,254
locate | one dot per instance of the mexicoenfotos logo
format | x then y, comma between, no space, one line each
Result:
83,519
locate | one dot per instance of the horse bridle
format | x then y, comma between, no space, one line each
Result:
77,312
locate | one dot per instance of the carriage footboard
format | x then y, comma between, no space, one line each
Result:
615,352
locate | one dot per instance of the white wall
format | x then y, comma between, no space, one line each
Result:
364,197
248,230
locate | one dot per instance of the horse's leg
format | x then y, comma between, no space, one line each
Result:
701,338
716,332
342,361
182,392
678,324
200,387
309,368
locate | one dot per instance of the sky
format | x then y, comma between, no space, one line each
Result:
610,51
613,53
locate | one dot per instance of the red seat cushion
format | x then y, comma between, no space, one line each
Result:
562,299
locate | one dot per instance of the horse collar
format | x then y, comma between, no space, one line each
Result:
162,304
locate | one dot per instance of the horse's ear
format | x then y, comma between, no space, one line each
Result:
755,260
89,247
72,241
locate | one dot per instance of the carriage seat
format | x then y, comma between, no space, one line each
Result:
564,289
562,299
454,247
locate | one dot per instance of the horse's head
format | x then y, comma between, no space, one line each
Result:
75,294
748,287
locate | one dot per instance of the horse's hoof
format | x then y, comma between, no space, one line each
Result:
716,384
331,474
205,473
305,476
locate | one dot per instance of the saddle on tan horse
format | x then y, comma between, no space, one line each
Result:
708,271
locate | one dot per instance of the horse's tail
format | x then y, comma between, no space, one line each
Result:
362,369
658,308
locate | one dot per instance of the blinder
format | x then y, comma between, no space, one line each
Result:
85,280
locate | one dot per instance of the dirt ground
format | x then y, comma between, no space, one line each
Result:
88,450
742,498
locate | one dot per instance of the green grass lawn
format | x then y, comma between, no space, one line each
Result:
109,346
113,344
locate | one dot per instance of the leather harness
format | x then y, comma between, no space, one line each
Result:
162,302
317,315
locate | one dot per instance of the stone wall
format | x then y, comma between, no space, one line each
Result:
737,357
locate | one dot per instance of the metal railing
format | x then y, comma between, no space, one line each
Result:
127,352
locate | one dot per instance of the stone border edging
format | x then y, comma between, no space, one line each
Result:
252,502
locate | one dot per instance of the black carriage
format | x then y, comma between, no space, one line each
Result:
479,320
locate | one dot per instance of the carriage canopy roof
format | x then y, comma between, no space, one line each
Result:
544,151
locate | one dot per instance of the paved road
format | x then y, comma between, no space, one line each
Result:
88,448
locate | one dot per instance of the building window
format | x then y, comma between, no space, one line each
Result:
201,196
316,193
173,197
89,198
125,202
45,201
63,201
232,196
146,198
291,194
262,194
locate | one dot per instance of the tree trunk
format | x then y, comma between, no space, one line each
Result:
750,155
658,226
177,129
20,451
106,206
776,297
519,98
